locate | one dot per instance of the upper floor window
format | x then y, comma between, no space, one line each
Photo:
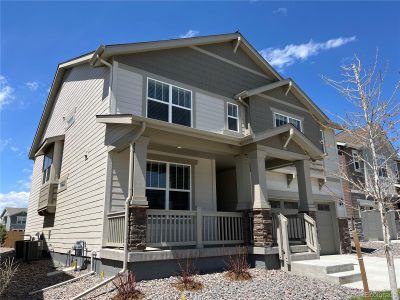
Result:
356,160
169,103
47,162
21,219
282,120
382,168
233,117
168,185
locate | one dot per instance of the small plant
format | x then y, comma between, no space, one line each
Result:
186,278
3,234
238,267
8,268
127,288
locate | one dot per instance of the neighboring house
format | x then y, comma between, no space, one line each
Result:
14,218
355,199
206,140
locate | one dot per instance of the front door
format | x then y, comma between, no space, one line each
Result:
326,234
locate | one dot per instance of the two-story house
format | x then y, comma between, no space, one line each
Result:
352,158
14,218
203,139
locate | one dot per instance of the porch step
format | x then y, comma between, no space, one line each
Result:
298,248
338,273
303,256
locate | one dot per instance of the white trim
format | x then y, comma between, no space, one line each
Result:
169,103
229,62
167,188
232,117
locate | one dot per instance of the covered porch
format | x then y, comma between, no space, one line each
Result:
224,199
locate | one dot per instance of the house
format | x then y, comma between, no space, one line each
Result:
210,146
362,210
14,218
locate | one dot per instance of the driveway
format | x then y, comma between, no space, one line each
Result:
377,273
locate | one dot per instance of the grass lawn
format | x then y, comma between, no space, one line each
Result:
385,295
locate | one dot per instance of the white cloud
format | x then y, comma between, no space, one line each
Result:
284,57
32,85
280,11
190,33
6,92
13,199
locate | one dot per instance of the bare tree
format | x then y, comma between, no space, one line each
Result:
374,127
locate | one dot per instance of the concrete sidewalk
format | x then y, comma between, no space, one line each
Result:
376,268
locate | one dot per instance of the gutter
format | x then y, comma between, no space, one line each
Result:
126,225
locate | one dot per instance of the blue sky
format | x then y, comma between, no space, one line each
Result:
304,40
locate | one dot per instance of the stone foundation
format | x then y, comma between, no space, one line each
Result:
262,227
137,227
344,235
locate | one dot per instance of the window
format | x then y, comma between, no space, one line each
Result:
322,141
47,162
356,160
290,205
323,207
168,185
275,204
21,220
382,168
282,120
169,103
233,117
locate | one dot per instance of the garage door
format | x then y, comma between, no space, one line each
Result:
325,229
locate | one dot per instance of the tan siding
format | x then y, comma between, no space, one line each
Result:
210,113
79,212
129,92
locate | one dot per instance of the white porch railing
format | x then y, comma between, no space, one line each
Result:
115,233
301,227
311,233
166,228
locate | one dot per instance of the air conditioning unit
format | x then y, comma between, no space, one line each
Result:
28,250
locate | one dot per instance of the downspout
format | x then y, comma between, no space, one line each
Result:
126,225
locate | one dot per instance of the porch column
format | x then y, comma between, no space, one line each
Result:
139,204
243,190
262,218
306,202
243,183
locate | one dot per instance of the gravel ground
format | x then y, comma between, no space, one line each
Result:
376,249
273,284
33,276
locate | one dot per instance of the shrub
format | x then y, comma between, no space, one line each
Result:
3,234
238,268
8,268
127,288
186,280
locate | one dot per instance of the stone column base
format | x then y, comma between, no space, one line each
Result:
137,227
246,226
262,227
344,236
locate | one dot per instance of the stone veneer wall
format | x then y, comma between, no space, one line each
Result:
262,227
137,227
344,235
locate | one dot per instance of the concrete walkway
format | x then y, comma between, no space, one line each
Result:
376,268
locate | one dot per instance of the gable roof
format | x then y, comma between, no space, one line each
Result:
10,211
105,52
